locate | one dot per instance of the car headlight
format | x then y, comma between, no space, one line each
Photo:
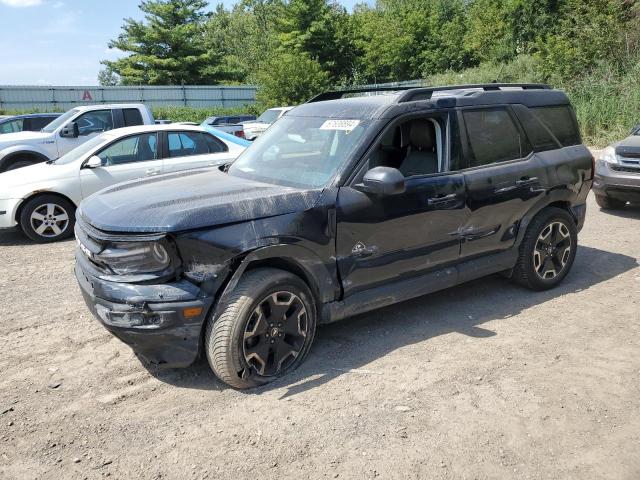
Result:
609,155
127,258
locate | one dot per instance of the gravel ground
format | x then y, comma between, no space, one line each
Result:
485,380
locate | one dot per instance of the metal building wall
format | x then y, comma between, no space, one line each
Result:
63,98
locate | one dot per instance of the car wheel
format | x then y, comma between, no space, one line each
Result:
19,164
609,203
47,218
547,251
264,329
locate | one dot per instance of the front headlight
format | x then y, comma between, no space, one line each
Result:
609,155
127,258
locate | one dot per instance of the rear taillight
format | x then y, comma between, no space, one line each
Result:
239,133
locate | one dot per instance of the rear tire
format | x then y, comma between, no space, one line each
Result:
547,251
264,330
47,218
609,203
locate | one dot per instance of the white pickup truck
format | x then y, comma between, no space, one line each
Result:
66,132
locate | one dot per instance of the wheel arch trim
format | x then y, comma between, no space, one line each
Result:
17,151
35,194
292,258
560,198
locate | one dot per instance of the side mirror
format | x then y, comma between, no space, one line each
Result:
383,181
93,162
70,130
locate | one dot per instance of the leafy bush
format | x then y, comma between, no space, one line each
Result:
192,114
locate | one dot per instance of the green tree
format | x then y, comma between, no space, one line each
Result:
245,37
320,29
586,33
167,48
289,79
108,78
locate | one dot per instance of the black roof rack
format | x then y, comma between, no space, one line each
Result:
410,93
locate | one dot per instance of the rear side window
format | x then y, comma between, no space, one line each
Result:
538,133
493,137
184,144
38,123
561,122
132,116
215,145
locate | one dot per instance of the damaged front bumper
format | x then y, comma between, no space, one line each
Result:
161,323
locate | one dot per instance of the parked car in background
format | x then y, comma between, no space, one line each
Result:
230,124
42,198
617,178
67,132
32,122
254,128
343,206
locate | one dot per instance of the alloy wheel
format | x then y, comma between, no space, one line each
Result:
552,250
276,333
49,220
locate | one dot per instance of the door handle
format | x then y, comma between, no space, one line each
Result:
152,171
440,200
523,182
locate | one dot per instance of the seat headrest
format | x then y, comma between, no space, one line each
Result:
422,134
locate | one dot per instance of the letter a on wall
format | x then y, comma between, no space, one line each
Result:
86,96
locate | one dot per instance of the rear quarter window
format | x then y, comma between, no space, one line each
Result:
561,121
538,133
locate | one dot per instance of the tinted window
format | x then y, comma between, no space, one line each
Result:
493,137
560,121
215,145
11,127
132,117
538,133
97,121
38,123
184,144
137,148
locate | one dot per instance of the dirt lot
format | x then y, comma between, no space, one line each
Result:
485,380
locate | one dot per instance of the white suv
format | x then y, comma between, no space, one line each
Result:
67,132
254,128
42,198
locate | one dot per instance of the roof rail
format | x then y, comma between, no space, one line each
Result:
337,94
425,92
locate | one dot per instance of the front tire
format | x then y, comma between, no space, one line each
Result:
264,330
47,218
609,203
547,251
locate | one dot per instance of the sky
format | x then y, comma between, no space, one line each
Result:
61,42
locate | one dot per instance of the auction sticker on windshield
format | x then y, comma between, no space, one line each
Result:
346,125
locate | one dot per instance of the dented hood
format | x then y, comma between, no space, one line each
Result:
190,200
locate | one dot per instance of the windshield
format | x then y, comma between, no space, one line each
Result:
61,120
300,151
269,116
78,152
